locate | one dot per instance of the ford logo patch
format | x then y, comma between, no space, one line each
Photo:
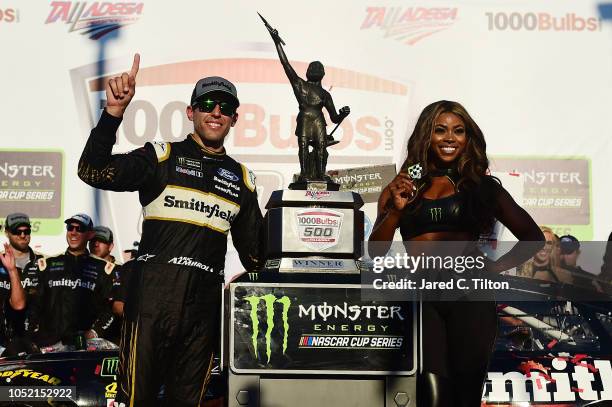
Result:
227,174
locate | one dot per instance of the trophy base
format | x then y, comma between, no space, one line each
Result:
315,264
314,185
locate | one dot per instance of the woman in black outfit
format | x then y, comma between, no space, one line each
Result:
457,336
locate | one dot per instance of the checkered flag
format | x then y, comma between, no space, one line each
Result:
415,171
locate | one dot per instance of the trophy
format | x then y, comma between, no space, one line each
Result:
311,132
312,226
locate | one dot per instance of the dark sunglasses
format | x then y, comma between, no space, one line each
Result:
19,232
78,228
208,105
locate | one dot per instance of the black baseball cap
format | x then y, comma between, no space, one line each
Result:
14,220
104,234
82,218
212,84
569,244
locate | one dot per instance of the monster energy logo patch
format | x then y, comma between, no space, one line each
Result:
189,163
436,214
269,301
109,367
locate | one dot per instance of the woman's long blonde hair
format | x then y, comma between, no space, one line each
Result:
526,269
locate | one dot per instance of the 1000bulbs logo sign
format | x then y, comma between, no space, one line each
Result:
318,229
9,15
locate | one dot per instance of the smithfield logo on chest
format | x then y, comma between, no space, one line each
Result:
200,206
227,174
183,204
29,282
73,284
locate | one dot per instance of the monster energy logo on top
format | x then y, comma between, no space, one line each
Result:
269,300
436,214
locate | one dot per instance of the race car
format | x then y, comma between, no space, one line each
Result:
551,350
78,378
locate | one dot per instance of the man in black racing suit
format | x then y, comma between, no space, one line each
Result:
73,296
192,195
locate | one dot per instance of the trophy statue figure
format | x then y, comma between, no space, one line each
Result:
311,125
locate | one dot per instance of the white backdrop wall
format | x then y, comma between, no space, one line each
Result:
535,75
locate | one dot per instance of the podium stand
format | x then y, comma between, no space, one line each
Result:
298,333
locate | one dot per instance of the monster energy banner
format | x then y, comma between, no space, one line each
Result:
31,182
312,328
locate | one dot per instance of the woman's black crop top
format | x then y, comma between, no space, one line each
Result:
446,214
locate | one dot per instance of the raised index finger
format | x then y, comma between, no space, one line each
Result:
135,65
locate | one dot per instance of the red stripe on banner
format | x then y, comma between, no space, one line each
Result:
252,70
319,213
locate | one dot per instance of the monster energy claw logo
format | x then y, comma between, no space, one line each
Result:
269,300
436,214
109,367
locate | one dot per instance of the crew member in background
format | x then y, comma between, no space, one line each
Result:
569,252
193,195
74,292
18,230
11,289
102,245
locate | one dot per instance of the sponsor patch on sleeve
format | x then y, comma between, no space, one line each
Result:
249,178
162,150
